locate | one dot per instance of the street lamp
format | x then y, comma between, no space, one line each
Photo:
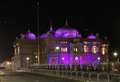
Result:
36,57
27,59
115,54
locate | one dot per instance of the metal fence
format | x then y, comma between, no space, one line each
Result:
80,75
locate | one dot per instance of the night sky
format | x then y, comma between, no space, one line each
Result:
17,16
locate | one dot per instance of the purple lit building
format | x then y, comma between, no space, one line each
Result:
64,46
67,46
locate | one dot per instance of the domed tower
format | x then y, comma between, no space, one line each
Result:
91,36
28,35
49,34
67,32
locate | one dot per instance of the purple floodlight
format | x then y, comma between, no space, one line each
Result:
88,59
66,32
63,58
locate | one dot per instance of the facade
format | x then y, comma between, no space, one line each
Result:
65,46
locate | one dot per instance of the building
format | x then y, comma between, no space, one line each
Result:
65,46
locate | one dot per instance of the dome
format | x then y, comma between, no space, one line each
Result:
47,35
44,35
67,32
29,35
91,36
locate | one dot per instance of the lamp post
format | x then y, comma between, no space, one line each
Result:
116,67
27,59
115,54
36,59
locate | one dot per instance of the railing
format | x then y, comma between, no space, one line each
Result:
80,75
78,72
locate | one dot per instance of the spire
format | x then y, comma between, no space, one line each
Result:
66,22
27,27
28,30
97,35
51,27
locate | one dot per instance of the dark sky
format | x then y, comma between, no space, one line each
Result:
87,17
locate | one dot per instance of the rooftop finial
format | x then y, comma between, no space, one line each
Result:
28,27
97,35
51,27
66,22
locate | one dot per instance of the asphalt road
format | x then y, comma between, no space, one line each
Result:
27,77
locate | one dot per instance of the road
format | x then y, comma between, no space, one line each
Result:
27,77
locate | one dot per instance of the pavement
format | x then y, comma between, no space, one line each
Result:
7,76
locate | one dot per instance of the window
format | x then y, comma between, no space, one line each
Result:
64,49
94,49
75,49
103,51
85,47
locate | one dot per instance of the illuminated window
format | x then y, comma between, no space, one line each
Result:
94,49
75,49
64,49
85,49
103,51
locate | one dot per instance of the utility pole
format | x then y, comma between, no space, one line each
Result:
38,43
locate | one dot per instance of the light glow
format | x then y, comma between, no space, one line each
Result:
27,58
36,57
76,58
57,47
63,58
98,58
115,54
8,63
